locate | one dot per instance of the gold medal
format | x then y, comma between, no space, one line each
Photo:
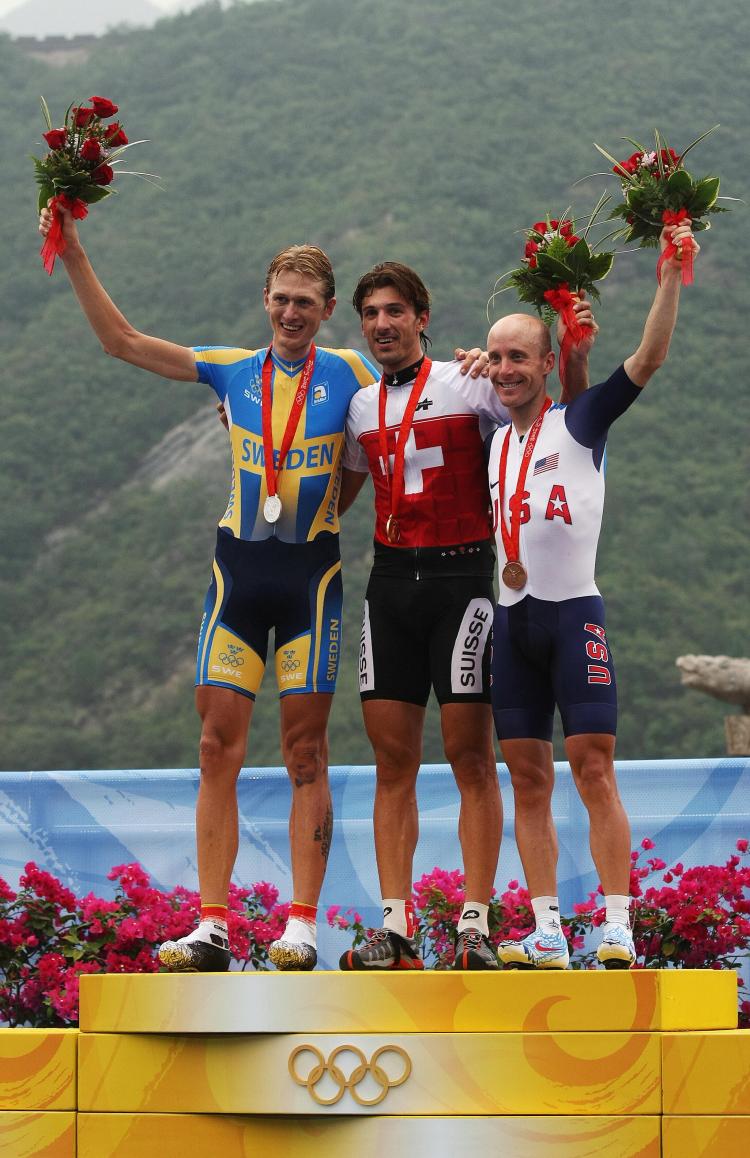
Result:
514,575
392,529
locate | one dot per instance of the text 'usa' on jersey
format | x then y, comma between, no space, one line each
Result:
445,501
308,485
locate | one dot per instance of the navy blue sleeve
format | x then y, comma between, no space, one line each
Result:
589,416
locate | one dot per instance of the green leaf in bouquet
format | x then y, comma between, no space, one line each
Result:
46,192
679,186
552,267
600,265
45,113
578,257
704,195
93,193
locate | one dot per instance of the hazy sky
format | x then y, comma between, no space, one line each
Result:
167,5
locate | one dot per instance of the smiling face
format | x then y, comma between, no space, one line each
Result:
392,328
296,307
520,358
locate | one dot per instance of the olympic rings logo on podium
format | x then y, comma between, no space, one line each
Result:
360,1071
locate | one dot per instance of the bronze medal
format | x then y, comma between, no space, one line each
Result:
392,529
514,575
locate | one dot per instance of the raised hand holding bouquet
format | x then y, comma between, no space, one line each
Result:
557,269
79,168
658,190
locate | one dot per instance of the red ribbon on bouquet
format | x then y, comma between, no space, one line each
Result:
562,301
54,242
670,217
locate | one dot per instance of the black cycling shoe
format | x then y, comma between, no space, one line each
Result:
474,951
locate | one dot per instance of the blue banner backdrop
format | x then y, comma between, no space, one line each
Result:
79,824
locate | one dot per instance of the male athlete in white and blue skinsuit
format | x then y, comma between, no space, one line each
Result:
549,641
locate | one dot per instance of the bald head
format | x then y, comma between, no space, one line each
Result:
524,329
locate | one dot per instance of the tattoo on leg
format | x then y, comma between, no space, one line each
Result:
324,832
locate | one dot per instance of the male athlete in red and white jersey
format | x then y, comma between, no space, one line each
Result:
550,647
429,603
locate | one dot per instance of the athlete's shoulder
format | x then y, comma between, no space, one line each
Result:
224,355
358,366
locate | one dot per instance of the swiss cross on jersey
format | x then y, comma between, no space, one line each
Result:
445,500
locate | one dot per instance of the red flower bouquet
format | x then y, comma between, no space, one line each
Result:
557,265
658,190
78,170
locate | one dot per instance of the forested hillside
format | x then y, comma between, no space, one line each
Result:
431,133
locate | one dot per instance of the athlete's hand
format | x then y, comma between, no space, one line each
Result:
585,318
474,361
677,234
222,415
69,227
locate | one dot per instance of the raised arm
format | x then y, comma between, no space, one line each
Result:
662,317
111,327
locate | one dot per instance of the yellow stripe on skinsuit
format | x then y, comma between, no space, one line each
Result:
223,357
214,615
322,588
355,363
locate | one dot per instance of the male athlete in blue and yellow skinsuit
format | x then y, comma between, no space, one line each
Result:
272,568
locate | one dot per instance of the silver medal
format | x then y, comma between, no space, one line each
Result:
272,508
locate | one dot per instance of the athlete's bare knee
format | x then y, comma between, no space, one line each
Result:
532,784
396,765
220,755
594,776
305,761
474,770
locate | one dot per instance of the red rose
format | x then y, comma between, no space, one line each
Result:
104,175
102,107
56,138
91,150
566,228
540,227
572,239
115,134
531,248
532,262
553,224
82,116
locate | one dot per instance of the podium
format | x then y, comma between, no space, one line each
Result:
600,1063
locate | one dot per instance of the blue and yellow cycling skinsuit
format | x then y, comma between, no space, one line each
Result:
284,575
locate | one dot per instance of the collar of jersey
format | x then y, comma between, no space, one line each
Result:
401,377
290,368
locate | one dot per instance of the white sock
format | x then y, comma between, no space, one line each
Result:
209,929
299,932
474,916
618,910
546,912
394,915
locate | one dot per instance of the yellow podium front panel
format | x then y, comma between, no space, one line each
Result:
698,1137
174,1136
706,1073
38,1069
434,1074
436,1001
32,1134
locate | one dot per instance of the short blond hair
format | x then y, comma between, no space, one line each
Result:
309,260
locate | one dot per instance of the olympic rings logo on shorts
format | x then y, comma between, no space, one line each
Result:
289,664
360,1071
231,660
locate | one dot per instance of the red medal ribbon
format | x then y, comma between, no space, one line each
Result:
396,481
562,301
272,476
54,243
669,217
511,536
